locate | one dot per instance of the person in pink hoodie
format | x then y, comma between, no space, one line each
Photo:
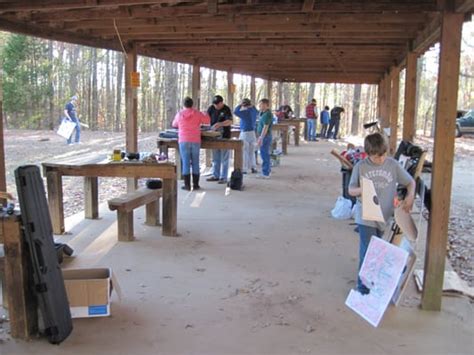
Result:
189,121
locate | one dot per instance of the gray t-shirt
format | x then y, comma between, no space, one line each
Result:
385,178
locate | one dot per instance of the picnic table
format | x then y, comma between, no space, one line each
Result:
295,122
217,143
280,128
91,172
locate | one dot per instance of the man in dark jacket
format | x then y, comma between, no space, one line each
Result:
221,120
335,121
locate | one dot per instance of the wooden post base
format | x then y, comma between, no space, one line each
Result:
153,213
125,226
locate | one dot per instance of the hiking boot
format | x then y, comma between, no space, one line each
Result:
187,183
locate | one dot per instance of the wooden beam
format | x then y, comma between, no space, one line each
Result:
446,106
253,90
409,113
131,109
308,5
196,89
3,179
212,6
395,95
230,89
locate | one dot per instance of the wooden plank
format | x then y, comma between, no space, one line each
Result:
122,169
131,110
395,95
3,182
212,6
308,5
409,113
446,102
135,199
125,226
22,306
170,208
91,197
54,182
196,86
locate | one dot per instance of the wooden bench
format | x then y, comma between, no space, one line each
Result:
125,204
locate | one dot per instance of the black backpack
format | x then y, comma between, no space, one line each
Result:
236,180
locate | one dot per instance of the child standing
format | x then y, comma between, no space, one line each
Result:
386,173
324,121
264,132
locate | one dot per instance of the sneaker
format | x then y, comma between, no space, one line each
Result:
222,181
254,171
212,178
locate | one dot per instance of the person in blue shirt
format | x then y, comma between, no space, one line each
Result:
71,114
248,116
324,117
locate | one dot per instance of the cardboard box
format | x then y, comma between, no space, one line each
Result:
89,291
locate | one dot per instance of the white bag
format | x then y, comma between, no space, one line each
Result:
343,208
66,128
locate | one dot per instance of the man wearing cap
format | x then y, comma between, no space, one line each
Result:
221,120
71,115
248,116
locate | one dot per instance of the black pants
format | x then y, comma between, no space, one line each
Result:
324,130
333,124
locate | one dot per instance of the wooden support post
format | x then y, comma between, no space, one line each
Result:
196,89
22,306
446,102
395,79
409,114
54,182
170,207
152,210
3,181
125,225
269,91
253,91
387,88
91,197
379,99
131,108
230,90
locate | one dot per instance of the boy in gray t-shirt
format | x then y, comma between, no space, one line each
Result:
386,173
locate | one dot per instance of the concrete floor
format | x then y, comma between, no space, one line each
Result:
263,271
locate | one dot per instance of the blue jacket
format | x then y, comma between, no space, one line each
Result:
324,117
248,117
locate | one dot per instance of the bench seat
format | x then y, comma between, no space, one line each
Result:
126,203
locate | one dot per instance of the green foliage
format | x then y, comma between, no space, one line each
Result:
26,80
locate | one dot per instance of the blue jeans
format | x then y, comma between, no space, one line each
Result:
220,163
78,132
189,157
365,234
311,129
265,153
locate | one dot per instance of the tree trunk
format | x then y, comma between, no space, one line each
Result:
95,92
297,100
171,89
312,88
355,109
51,119
118,103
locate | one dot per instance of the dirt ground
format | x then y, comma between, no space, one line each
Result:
263,271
